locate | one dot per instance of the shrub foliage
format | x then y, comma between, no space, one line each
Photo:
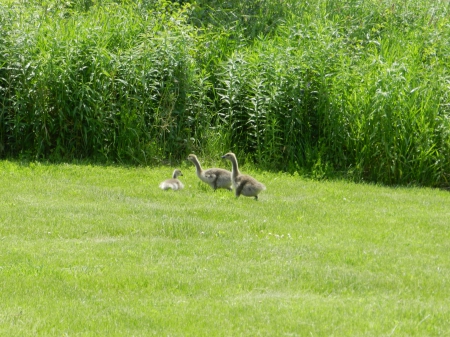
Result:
358,87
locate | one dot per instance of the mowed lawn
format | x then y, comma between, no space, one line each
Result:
102,251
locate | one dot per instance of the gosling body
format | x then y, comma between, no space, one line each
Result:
174,183
243,183
214,177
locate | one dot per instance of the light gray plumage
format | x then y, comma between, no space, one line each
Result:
174,183
214,177
243,183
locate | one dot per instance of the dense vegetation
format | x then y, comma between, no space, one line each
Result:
353,86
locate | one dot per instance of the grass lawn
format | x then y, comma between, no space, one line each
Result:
101,251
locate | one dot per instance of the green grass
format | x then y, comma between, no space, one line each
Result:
100,250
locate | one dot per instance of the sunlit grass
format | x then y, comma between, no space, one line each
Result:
101,250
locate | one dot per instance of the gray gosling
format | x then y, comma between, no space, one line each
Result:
242,183
174,183
214,177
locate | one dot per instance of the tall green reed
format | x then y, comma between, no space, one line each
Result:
358,87
338,91
391,103
111,83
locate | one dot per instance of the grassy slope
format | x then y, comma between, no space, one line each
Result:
102,251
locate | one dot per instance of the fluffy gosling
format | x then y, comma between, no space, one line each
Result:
174,183
214,177
242,183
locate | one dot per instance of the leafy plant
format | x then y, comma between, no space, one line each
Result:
351,88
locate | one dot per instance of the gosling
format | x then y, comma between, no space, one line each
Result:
242,183
214,177
174,183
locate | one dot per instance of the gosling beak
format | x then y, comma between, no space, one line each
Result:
223,157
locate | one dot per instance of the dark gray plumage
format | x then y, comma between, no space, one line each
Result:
214,177
243,183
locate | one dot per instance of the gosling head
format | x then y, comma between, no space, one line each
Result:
229,156
176,174
192,157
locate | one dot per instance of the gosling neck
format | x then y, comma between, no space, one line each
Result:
235,167
197,166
